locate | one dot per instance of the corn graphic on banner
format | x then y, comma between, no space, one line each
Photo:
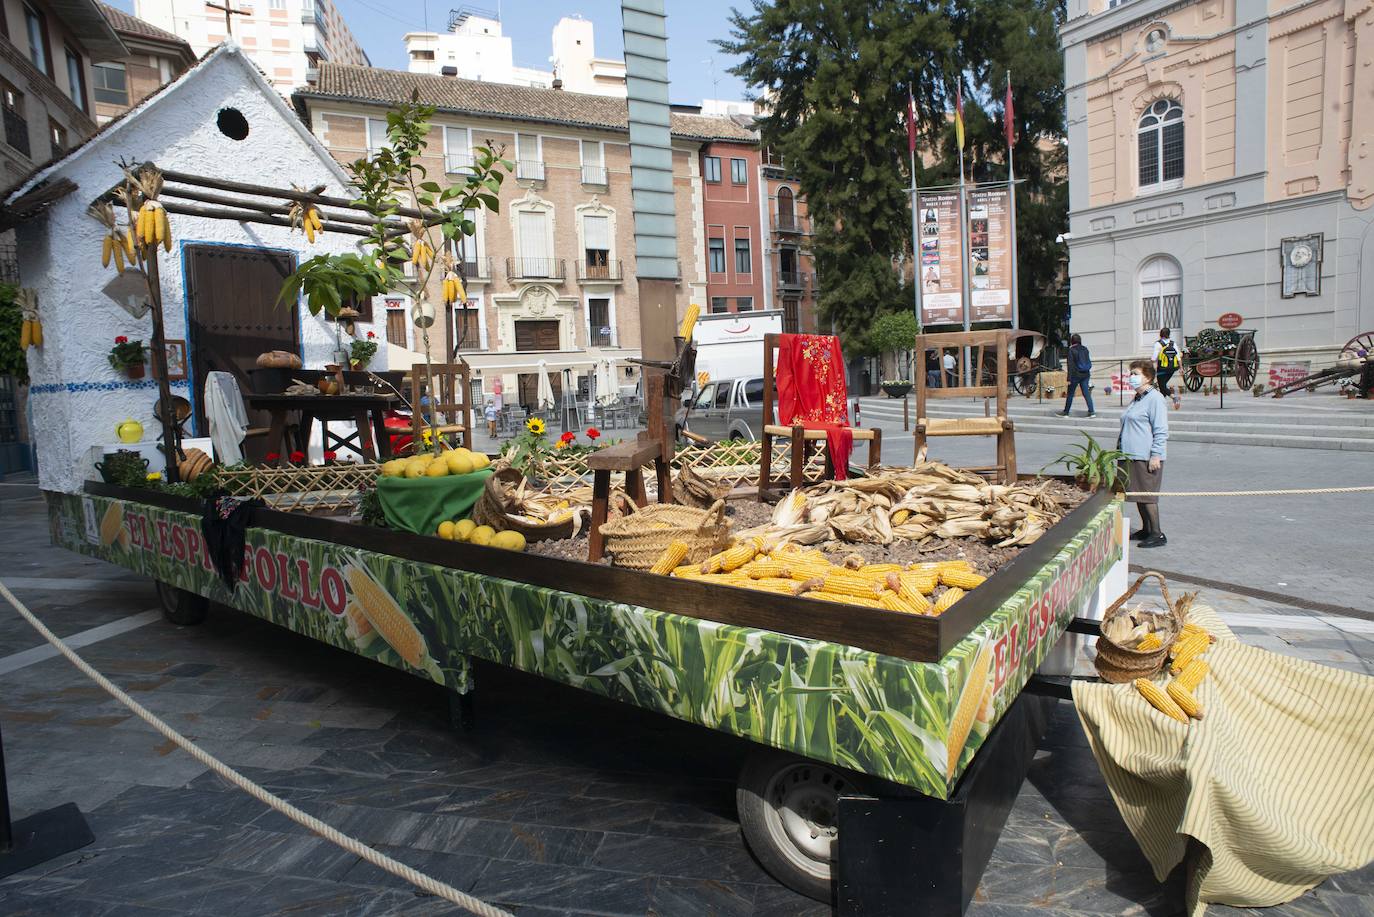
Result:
918,724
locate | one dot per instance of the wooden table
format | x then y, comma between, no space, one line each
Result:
367,412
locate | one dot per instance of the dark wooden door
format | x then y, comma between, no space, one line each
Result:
529,389
235,316
540,335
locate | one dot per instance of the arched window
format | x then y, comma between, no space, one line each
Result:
785,208
1161,297
1160,136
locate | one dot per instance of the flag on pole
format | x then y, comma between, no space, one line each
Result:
910,122
959,116
1009,117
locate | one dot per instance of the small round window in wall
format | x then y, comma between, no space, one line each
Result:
232,123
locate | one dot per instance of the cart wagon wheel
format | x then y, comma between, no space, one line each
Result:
181,607
789,812
1247,363
1023,377
1192,379
1360,342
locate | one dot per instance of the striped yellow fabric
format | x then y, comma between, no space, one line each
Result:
1276,782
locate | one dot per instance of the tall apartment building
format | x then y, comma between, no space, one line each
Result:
1219,162
156,57
474,48
551,276
46,52
287,39
792,273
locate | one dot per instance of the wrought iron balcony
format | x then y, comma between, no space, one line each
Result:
475,268
793,280
594,175
554,269
605,272
17,131
791,223
529,169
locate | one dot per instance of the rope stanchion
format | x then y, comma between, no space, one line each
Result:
1294,492
304,819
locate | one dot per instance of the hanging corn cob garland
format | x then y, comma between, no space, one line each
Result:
150,222
30,330
421,254
117,245
453,284
305,217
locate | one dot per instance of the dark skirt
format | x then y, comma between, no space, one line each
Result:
1139,478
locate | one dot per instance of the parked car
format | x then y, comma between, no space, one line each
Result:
724,409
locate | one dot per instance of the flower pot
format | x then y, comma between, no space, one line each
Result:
1083,484
897,389
134,370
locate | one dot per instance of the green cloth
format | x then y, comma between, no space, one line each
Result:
419,504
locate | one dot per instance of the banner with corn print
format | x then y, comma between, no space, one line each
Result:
914,723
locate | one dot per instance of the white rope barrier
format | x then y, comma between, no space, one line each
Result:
304,819
1296,492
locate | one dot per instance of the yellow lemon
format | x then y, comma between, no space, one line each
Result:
482,535
508,540
480,460
447,530
437,468
458,464
394,468
415,470
463,529
461,450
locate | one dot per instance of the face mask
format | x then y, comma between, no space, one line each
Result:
1136,380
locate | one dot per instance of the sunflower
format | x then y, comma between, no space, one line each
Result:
535,425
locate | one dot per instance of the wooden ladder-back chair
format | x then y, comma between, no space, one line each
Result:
998,425
775,427
451,399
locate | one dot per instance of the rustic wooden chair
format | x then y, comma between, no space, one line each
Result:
450,398
802,439
989,349
651,447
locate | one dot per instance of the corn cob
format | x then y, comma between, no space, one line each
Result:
1185,700
1159,700
111,524
878,571
688,571
356,624
923,583
689,321
965,710
769,584
1149,642
892,601
670,558
1193,673
769,569
908,593
848,584
843,599
948,598
900,516
964,579
386,617
1190,629
738,556
935,566
1186,648
713,563
810,569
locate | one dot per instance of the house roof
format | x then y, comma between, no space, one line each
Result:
133,27
85,21
498,100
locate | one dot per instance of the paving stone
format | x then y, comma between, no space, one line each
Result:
542,885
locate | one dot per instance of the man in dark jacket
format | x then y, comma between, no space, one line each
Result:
1080,367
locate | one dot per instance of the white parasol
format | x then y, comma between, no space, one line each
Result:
606,391
544,395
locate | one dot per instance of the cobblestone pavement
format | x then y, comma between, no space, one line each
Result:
558,804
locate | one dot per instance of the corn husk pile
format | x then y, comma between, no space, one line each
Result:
927,502
527,504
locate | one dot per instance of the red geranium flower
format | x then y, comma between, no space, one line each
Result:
371,335
121,340
593,433
297,457
330,455
273,456
568,437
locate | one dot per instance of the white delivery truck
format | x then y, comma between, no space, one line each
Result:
730,352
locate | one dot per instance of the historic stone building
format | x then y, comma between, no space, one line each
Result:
1221,159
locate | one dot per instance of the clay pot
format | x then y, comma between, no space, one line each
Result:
134,370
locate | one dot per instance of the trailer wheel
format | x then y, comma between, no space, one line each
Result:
181,607
789,812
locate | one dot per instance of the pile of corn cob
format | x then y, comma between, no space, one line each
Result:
788,569
1188,668
928,501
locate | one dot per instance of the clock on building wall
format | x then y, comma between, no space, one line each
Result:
1301,260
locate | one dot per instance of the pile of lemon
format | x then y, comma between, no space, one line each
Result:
451,461
471,532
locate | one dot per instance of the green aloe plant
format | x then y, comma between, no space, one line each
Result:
1092,465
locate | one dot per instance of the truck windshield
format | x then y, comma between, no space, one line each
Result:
704,399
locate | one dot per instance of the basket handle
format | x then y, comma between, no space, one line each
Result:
1125,596
718,510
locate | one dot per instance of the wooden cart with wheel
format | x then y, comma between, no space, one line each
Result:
1217,354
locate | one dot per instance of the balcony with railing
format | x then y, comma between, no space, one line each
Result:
791,223
458,163
551,269
17,131
529,169
595,176
474,269
773,165
794,281
600,271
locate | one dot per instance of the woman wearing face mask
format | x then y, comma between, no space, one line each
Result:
1144,432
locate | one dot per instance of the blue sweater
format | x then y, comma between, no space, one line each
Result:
1145,426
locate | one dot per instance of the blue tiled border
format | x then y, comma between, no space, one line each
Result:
50,387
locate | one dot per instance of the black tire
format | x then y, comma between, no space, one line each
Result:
788,811
185,609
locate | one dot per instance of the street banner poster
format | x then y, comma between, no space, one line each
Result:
942,258
989,254
1288,373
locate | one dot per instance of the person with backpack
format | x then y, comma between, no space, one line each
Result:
1080,371
1166,364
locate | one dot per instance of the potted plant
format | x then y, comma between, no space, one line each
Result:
126,356
1092,465
896,388
361,352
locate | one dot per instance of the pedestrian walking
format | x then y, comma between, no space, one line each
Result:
1166,364
1080,372
933,374
1144,433
490,414
951,377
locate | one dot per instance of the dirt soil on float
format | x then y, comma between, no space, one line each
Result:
746,514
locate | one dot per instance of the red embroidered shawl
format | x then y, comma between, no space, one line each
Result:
812,392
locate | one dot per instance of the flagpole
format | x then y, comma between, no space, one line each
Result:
964,293
915,200
1009,116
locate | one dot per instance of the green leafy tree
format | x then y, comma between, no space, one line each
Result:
836,72
895,333
13,361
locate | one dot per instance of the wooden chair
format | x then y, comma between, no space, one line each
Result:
651,447
451,400
998,425
802,438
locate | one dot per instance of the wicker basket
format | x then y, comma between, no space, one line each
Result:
490,509
1117,663
638,538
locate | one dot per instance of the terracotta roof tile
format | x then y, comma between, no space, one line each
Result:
498,100
125,24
